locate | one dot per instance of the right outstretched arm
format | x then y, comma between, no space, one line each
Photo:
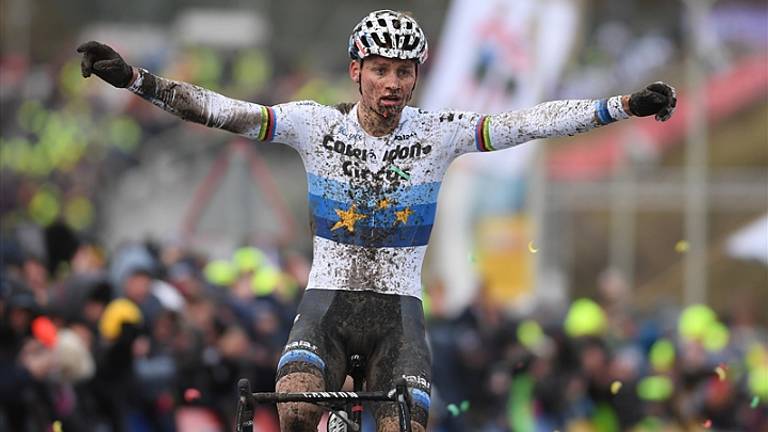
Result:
187,101
200,105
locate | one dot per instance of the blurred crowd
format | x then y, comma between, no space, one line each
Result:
122,341
600,365
153,337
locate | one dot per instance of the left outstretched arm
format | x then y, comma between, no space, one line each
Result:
569,117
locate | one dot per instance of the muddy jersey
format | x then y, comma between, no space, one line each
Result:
373,199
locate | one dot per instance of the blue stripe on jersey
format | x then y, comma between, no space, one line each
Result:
375,217
421,398
373,237
404,195
303,356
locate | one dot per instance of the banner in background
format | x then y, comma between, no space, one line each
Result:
493,56
499,55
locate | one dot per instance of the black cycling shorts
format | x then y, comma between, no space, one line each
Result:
386,330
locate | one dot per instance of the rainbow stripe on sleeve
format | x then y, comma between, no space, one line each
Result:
268,124
483,134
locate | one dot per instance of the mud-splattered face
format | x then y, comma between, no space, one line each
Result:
386,84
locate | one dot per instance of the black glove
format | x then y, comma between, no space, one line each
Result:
103,61
658,98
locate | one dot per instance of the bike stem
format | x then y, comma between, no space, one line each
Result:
245,407
356,408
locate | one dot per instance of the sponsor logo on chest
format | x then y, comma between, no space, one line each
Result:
352,167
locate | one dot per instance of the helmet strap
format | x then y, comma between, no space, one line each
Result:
416,80
360,78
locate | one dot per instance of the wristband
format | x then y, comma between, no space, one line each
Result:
602,114
609,110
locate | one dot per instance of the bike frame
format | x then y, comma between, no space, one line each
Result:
332,401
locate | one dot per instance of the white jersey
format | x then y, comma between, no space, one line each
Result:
373,199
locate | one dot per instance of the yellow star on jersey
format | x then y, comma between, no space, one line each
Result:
348,219
403,215
383,204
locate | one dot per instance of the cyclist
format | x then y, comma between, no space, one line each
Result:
373,169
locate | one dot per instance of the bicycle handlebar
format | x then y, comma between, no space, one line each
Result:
247,401
313,397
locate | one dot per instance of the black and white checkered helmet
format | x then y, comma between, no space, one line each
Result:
388,34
